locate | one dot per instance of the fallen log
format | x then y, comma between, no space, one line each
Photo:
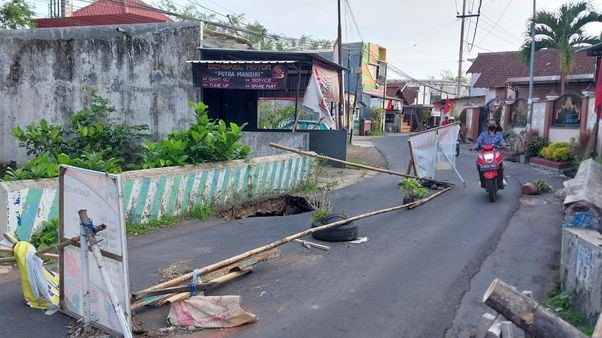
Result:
231,260
526,313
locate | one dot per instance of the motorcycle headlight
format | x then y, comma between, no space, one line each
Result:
488,158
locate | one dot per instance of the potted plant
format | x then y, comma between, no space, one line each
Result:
413,190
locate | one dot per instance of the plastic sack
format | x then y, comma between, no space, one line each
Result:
40,286
585,220
209,312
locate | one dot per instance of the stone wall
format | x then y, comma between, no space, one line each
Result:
141,68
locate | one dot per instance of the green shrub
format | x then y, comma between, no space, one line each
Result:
544,186
207,140
43,166
534,144
559,151
414,189
48,236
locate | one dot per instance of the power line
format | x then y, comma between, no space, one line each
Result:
503,37
474,35
496,22
498,27
357,28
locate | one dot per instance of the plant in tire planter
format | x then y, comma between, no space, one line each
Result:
413,190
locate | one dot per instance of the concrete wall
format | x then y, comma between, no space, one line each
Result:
538,118
259,141
563,134
581,270
151,194
143,71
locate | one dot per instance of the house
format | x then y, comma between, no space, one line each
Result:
503,79
502,75
104,12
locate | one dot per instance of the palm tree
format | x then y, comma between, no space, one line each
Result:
562,30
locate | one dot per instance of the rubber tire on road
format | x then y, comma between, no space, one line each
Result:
341,233
491,190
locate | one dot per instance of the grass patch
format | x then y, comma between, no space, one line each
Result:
559,303
377,133
202,212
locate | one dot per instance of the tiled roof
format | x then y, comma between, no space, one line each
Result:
116,7
496,68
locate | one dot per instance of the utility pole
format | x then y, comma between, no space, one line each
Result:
531,70
340,52
463,17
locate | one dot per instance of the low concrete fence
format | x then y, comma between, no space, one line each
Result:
154,193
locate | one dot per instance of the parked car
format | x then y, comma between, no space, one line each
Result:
305,125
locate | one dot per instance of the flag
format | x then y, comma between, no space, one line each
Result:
598,103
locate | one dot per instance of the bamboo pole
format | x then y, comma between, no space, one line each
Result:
46,255
322,157
309,244
598,329
221,280
424,200
231,260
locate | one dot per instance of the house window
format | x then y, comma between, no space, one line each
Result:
518,114
567,111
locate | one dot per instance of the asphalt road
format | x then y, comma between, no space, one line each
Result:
406,281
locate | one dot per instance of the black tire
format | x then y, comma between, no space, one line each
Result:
341,233
490,186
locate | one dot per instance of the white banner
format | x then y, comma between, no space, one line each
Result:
428,148
447,138
100,194
424,149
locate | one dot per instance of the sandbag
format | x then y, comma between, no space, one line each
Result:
209,312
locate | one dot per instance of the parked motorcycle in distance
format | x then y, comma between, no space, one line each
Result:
489,164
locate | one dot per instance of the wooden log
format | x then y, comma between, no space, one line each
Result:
231,260
485,323
526,313
351,164
312,244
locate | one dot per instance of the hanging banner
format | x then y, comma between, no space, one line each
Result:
254,76
321,91
100,194
428,150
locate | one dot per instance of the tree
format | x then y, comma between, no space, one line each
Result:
448,75
563,31
16,14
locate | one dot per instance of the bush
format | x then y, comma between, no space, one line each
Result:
206,140
559,151
47,237
533,143
414,189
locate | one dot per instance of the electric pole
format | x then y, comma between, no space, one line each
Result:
340,52
463,17
531,70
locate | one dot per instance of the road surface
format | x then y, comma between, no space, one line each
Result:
407,281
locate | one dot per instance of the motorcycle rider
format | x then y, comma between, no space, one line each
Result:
495,137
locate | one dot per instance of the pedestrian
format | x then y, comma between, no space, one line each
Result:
445,121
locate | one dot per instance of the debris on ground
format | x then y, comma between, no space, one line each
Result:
172,271
360,240
277,206
209,312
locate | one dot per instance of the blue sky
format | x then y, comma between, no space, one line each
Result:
421,36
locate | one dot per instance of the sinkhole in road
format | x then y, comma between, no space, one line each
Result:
276,206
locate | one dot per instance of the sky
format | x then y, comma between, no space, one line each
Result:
421,36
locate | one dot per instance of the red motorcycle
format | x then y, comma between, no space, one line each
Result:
491,172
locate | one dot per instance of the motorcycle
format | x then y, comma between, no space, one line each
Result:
489,164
